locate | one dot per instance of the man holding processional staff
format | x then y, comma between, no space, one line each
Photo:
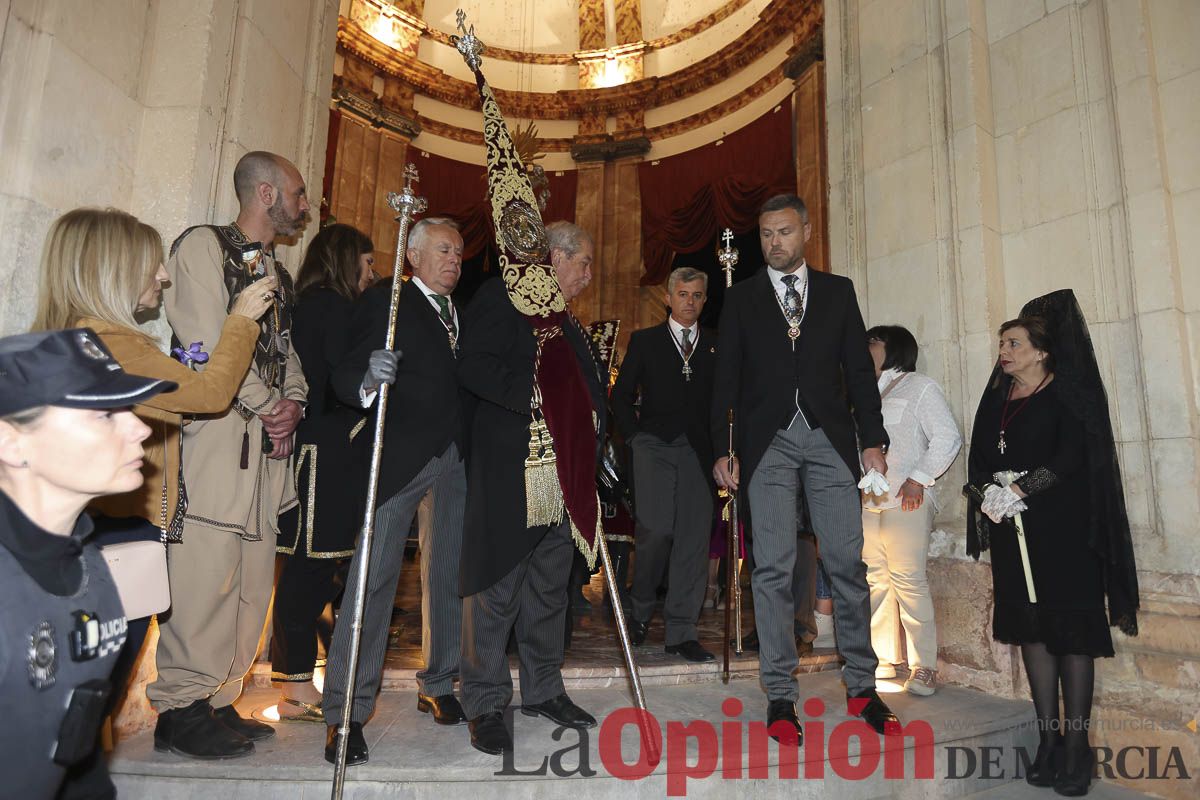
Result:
424,426
789,339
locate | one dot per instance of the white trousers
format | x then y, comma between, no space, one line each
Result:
895,549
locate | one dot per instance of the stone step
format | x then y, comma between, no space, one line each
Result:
1022,791
412,757
654,667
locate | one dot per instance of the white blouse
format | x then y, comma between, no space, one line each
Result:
924,436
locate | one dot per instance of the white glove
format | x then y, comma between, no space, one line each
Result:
1001,502
874,483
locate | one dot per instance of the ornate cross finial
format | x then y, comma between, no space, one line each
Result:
466,44
406,203
728,256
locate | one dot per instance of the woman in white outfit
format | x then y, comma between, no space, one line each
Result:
896,527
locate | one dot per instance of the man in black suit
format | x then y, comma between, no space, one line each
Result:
423,453
792,362
514,574
671,365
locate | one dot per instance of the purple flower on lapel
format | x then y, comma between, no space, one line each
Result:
192,356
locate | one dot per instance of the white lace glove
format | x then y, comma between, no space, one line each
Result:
1001,502
874,483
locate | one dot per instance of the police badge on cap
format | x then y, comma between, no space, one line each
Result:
69,368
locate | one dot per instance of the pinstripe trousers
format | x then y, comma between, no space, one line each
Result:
445,479
533,597
799,455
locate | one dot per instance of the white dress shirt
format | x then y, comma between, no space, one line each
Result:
677,334
425,290
367,398
780,289
924,436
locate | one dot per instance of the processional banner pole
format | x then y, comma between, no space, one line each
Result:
728,257
406,205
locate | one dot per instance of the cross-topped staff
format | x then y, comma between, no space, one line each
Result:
406,205
728,256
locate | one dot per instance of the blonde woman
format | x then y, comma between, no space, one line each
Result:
100,269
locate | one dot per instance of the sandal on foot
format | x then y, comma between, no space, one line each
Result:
308,711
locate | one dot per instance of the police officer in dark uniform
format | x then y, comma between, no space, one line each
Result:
67,436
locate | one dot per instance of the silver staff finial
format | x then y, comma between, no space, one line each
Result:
469,46
728,256
406,202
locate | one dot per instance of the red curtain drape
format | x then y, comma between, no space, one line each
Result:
688,198
458,190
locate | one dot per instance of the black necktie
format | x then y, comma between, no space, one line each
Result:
791,298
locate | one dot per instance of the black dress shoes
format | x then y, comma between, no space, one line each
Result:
445,708
690,651
195,732
1044,769
1075,777
784,713
252,729
561,711
356,748
874,712
637,631
489,735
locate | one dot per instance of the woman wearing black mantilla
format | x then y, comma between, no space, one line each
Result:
1046,498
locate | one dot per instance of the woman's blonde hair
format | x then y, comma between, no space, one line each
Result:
96,263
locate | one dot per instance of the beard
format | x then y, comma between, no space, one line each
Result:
285,225
783,262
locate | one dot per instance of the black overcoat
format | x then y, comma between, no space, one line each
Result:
496,365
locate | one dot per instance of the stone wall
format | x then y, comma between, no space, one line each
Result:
146,105
983,153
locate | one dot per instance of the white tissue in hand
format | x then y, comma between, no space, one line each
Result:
874,483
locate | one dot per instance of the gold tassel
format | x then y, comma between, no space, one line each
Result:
543,492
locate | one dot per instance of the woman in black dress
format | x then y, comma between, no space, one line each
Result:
1043,468
318,535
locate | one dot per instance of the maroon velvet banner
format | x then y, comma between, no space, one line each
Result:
458,190
689,198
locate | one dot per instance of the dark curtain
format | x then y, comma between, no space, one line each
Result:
705,260
689,198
